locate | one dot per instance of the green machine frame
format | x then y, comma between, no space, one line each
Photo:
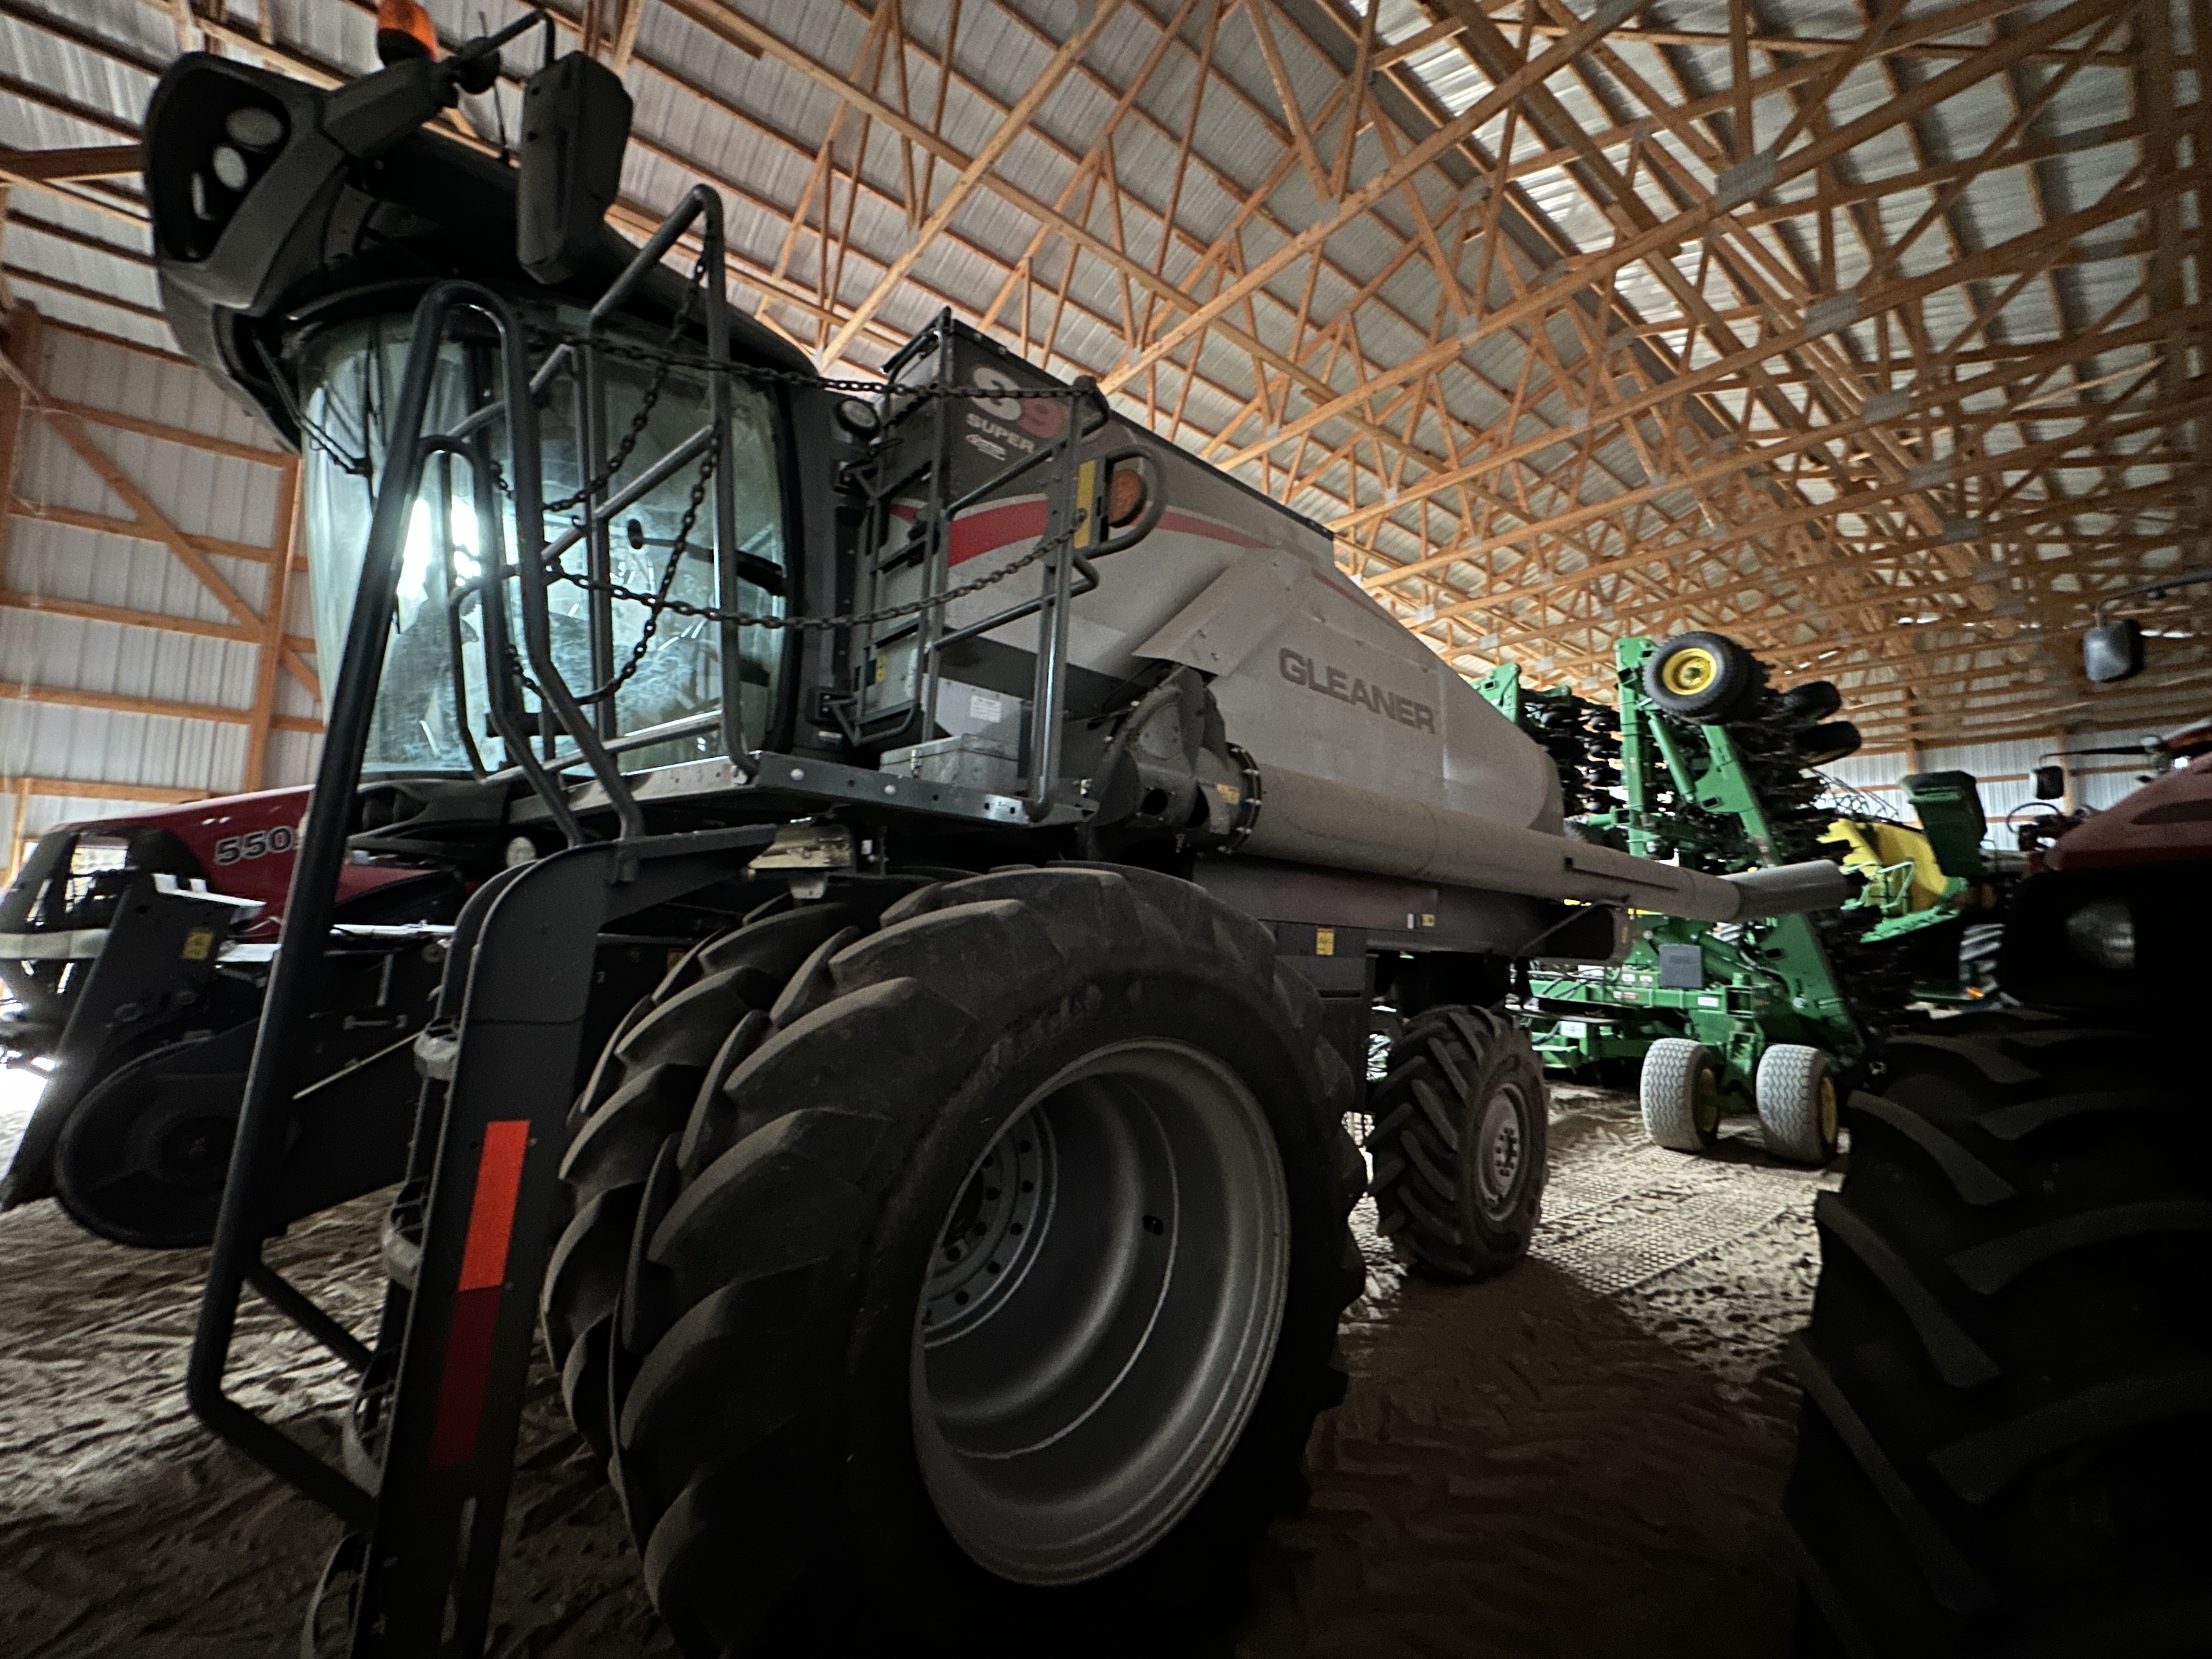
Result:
1688,790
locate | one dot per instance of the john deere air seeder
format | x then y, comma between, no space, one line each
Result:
1704,762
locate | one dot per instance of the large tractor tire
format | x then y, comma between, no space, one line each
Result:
674,1046
2007,1429
1459,1142
982,1292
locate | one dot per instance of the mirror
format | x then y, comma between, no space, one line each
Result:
2113,651
576,125
2049,782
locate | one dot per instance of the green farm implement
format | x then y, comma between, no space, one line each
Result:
1705,763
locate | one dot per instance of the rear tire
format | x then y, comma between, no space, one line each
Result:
1460,1137
806,1464
1796,1098
1680,1090
2008,1417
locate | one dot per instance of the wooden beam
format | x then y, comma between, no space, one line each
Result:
108,524
86,789
39,167
273,633
119,702
127,616
160,528
1015,123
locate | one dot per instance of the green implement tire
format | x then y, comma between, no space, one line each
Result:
1797,1099
1706,678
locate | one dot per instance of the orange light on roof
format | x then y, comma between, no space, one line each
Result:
404,29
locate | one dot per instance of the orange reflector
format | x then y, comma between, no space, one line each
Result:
1127,495
404,29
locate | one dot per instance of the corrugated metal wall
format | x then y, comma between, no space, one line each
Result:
2003,771
74,542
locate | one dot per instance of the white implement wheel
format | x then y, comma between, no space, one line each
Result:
1680,1091
1797,1104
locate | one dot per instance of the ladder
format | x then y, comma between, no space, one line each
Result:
429,1442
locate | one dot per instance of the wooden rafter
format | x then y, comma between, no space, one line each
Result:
1650,326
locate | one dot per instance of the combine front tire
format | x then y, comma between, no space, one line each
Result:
1459,1142
987,1295
2008,1416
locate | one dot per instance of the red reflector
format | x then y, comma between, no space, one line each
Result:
475,1308
468,1368
491,1215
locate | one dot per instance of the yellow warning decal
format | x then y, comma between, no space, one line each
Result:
200,944
1324,941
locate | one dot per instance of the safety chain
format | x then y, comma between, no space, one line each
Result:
1044,549
651,400
660,603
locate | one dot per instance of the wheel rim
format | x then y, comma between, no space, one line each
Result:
1705,1101
1689,671
1501,1152
1827,1110
1123,1251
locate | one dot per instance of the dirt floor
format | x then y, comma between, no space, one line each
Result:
1582,1459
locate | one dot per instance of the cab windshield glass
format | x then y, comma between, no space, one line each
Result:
433,711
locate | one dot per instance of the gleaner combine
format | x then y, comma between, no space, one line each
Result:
875,893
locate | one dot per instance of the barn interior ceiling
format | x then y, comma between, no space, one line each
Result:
1869,331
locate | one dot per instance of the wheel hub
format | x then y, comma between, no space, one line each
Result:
1706,1102
993,1234
1500,1151
1690,670
1099,1312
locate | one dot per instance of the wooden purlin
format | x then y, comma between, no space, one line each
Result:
68,419
1409,473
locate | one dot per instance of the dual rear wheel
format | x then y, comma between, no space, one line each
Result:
958,1266
1681,1095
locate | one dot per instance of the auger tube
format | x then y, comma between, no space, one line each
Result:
1309,820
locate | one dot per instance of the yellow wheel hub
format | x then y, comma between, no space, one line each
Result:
1689,671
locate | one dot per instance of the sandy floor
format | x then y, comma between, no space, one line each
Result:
1584,1458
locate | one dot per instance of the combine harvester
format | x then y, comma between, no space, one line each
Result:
855,910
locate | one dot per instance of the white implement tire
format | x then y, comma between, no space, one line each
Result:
1680,1091
1797,1099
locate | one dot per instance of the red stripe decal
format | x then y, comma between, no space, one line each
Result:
491,1215
988,529
476,1306
468,1369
